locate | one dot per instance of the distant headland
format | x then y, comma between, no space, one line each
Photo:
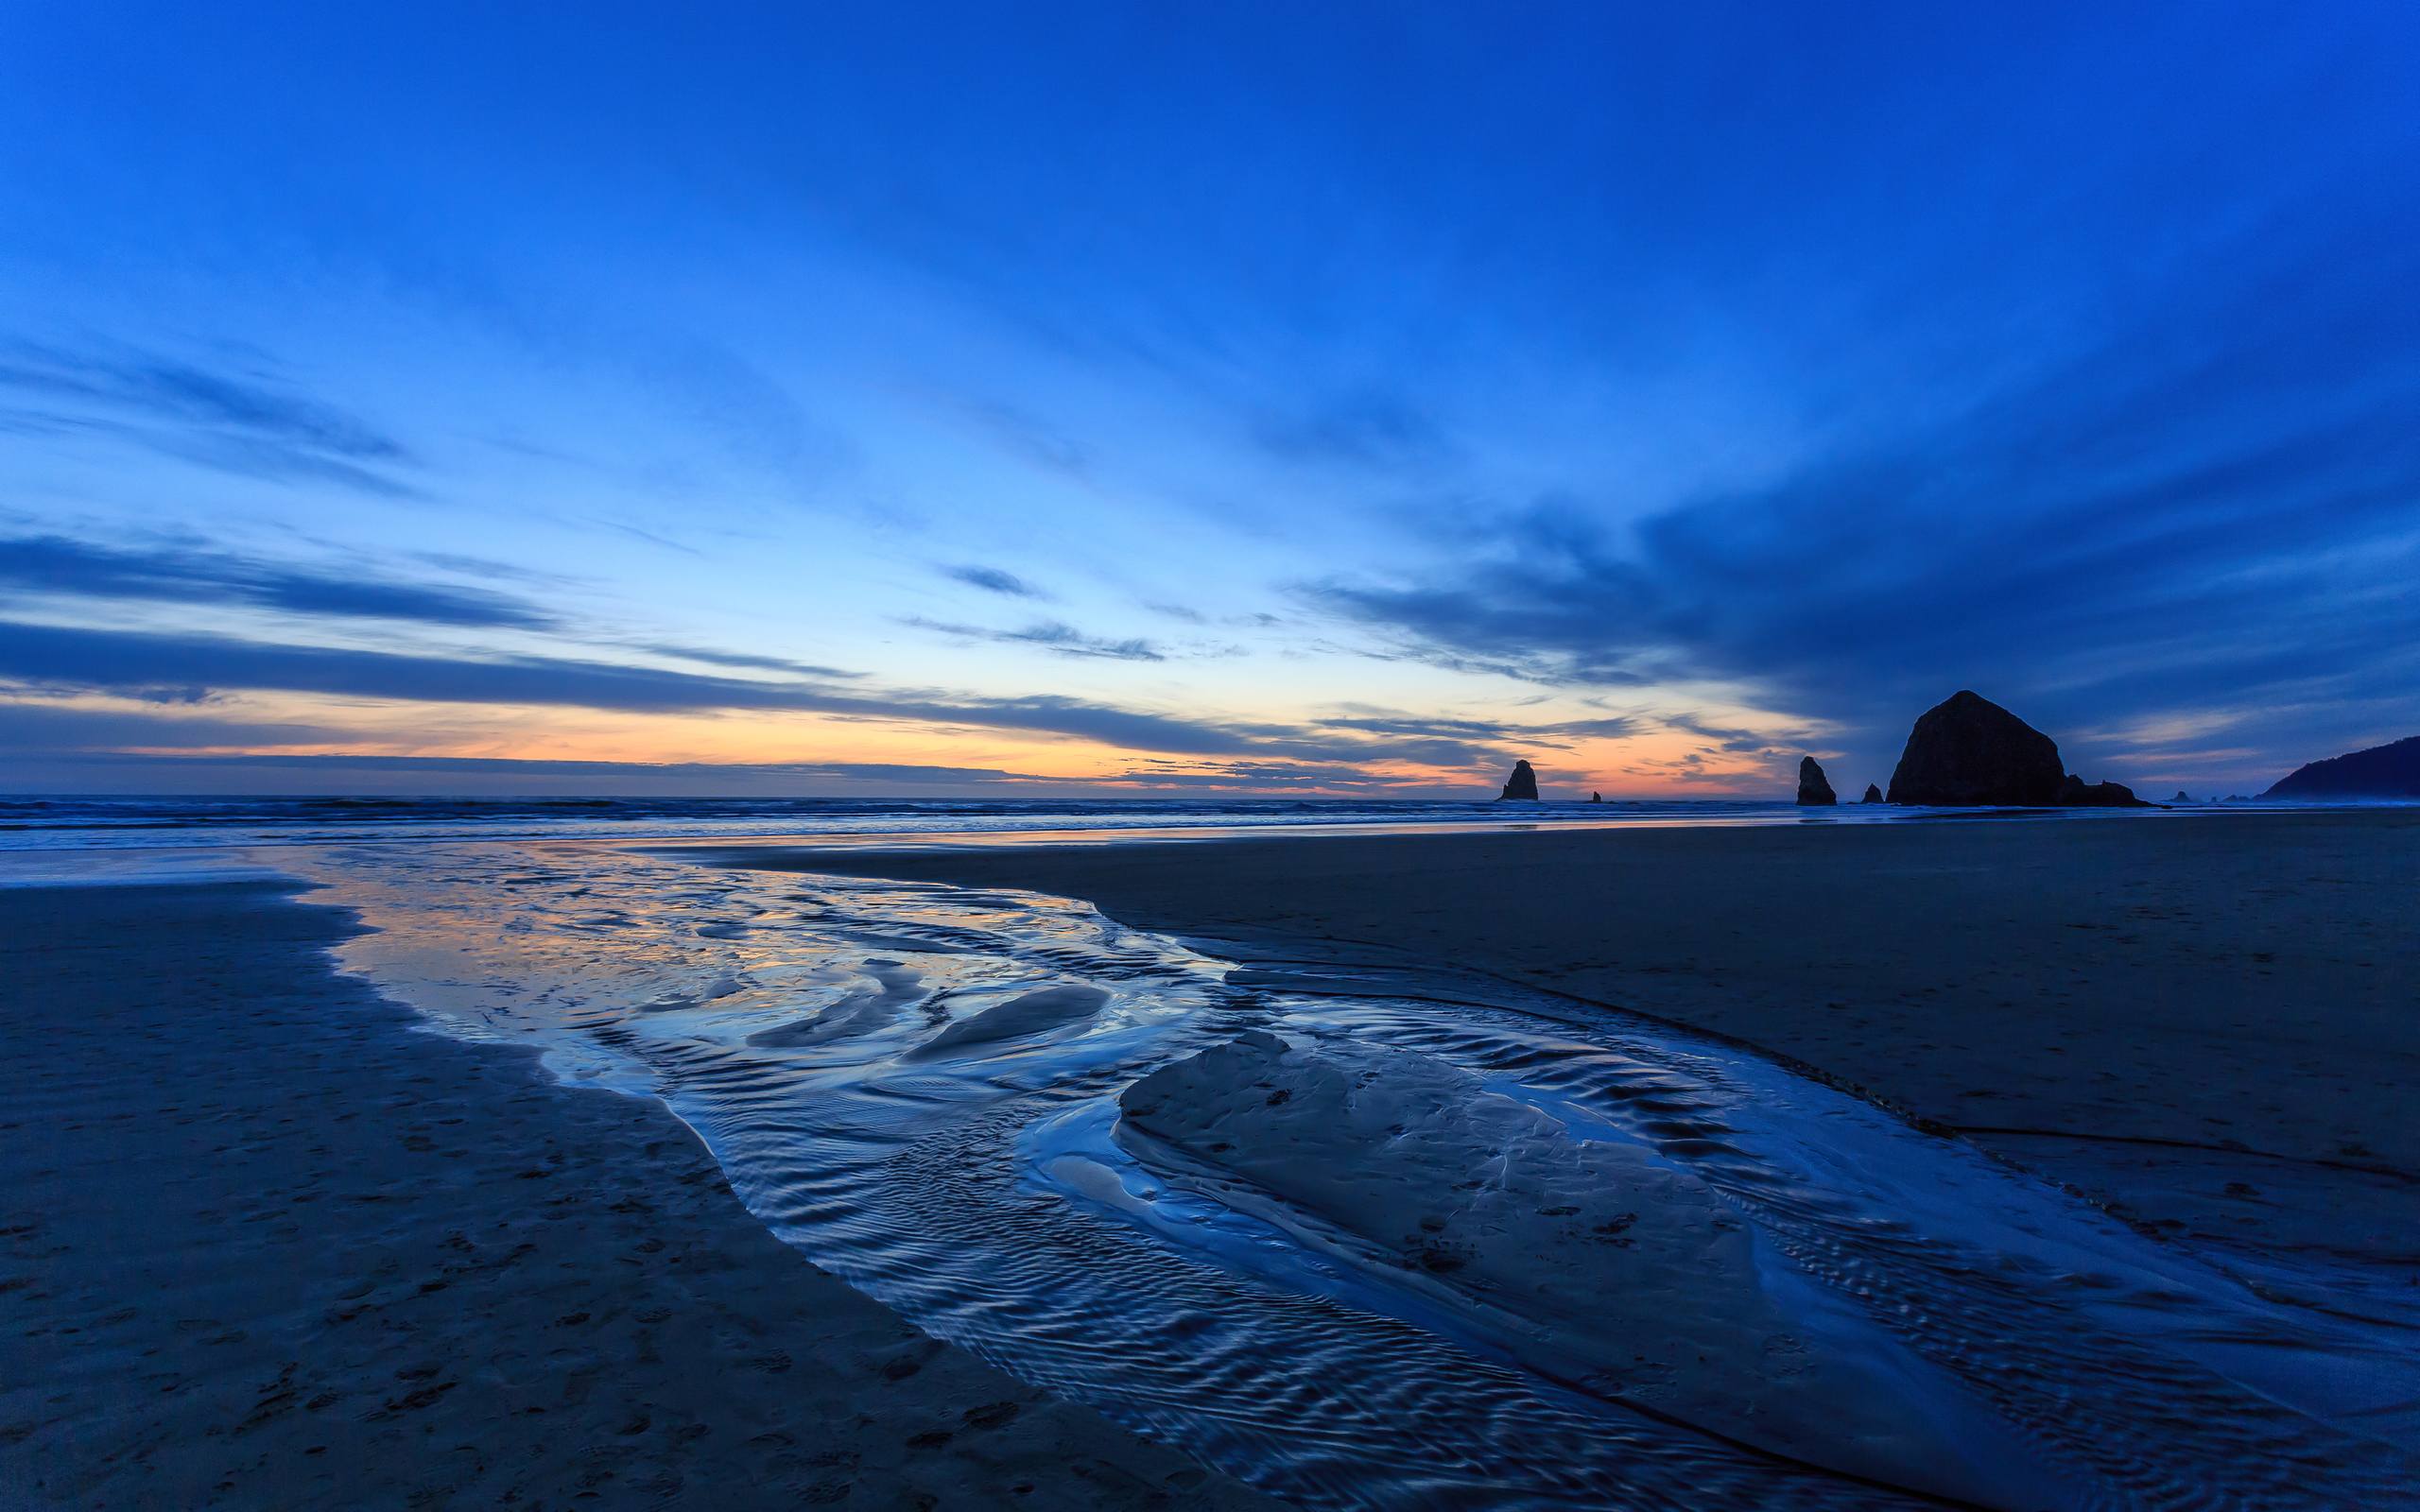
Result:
2382,772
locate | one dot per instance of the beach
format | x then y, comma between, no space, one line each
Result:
2001,1160
2204,1022
268,1243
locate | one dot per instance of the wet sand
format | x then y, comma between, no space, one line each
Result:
264,1243
2207,1023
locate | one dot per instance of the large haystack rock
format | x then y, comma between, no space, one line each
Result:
1969,752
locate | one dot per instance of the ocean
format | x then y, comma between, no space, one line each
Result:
38,822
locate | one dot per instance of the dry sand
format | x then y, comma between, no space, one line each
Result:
266,1246
2209,1023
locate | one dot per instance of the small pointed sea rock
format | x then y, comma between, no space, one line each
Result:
1522,784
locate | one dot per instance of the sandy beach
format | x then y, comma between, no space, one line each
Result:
2204,1023
271,1242
268,1244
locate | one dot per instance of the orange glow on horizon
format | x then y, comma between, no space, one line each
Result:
1654,763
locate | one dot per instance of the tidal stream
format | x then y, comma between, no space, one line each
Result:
917,1086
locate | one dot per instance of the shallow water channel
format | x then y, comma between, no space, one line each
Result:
917,1086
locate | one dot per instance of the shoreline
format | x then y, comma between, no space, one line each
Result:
271,1241
2202,1029
91,850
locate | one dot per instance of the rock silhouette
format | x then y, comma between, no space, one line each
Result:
1872,794
1522,784
2077,794
1968,751
2382,772
1595,798
2182,797
1812,788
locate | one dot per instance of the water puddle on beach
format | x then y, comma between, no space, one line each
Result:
1377,1238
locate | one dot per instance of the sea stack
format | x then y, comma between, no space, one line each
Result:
1969,752
1522,784
2079,793
1872,794
1812,788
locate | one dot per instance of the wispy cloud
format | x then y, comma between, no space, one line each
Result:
1050,635
182,573
1028,438
1506,734
744,661
1378,430
1265,777
31,727
243,422
993,580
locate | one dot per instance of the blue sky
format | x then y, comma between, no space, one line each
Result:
1233,398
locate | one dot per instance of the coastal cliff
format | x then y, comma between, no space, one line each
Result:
2382,772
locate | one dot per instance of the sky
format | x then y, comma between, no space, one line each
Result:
1254,399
